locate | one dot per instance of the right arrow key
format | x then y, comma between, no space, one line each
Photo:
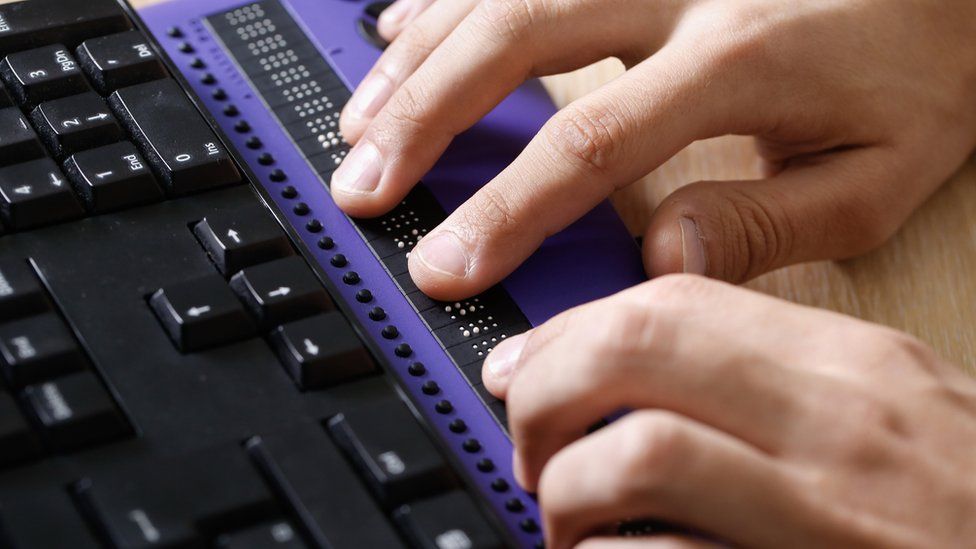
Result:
281,291
201,313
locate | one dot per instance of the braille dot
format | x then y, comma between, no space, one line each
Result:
289,192
364,296
499,484
418,369
185,47
277,176
529,525
444,407
351,278
266,159
486,466
377,314
198,63
243,127
471,445
209,79
219,94
403,350
174,32
314,226
231,110
515,505
339,260
458,426
252,143
301,209
390,332
430,387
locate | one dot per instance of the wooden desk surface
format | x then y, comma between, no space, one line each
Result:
923,281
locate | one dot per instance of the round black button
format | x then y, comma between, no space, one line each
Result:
174,32
198,63
219,94
499,485
529,525
339,260
231,110
486,466
290,192
315,226
515,505
351,278
185,47
209,79
444,407
458,426
377,314
418,369
266,159
243,127
403,350
390,332
301,209
253,142
277,176
471,445
430,388
364,296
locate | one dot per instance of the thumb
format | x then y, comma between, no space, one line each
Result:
835,206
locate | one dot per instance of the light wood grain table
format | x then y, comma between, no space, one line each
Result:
923,281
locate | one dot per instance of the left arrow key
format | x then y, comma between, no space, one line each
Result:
201,313
34,194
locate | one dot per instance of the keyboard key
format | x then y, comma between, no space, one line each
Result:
37,349
21,293
281,291
201,313
31,24
321,489
275,535
112,177
321,351
174,136
119,60
75,411
18,142
44,517
35,194
179,502
241,238
451,521
391,451
42,74
76,123
17,442
5,99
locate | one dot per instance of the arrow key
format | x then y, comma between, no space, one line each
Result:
281,291
201,313
112,177
76,123
321,351
240,238
36,193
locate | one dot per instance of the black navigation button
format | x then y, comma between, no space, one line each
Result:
119,60
38,348
76,123
201,313
449,520
42,74
274,535
31,24
112,177
18,142
21,293
241,238
36,193
17,442
281,291
75,411
321,351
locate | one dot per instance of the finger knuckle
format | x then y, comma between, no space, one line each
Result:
867,427
406,112
896,347
413,43
654,447
761,235
493,213
677,289
510,20
586,136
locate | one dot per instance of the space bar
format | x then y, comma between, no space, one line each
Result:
174,137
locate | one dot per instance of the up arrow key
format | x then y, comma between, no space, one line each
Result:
234,235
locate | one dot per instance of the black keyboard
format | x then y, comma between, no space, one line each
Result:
175,373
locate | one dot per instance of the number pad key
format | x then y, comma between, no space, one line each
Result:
76,123
18,142
43,74
75,411
37,349
35,194
112,177
120,60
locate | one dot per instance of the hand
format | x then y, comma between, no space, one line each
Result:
757,422
861,109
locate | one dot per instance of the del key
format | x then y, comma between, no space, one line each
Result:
174,137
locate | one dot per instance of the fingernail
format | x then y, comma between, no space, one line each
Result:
692,247
501,362
395,13
360,172
370,96
443,253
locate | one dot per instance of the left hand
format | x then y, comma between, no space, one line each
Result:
756,422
